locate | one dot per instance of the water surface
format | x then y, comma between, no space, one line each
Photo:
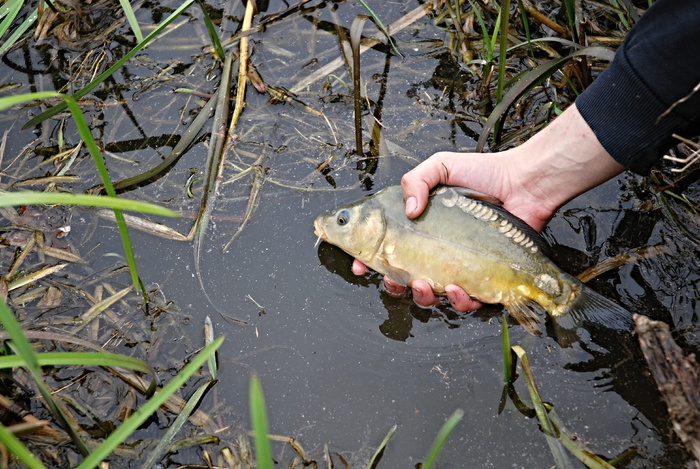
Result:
340,361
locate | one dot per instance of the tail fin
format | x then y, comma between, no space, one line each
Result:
590,306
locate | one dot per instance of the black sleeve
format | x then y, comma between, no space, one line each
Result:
658,64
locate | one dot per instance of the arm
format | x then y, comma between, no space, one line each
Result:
620,121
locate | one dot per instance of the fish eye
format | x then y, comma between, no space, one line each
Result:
342,217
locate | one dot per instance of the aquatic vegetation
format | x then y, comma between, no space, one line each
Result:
558,438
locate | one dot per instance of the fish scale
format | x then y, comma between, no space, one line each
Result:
482,212
468,239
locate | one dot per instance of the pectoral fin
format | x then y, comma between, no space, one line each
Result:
399,276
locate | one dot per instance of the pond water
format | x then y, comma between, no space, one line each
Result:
340,361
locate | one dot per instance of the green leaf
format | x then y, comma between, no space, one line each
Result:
258,417
382,28
441,438
19,31
18,450
219,53
182,417
508,363
54,198
131,18
79,358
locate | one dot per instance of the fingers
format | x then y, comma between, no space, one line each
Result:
358,268
460,300
393,288
423,295
418,182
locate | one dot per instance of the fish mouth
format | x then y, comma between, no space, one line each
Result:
320,232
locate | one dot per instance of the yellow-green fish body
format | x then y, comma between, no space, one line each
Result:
468,239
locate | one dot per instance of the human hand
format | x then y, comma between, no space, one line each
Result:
487,173
532,180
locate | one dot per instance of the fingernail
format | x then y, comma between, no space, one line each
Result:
411,205
417,294
451,297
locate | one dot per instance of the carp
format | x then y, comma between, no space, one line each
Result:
467,238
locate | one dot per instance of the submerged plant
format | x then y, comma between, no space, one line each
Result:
556,435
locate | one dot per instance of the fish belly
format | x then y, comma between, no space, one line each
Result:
461,254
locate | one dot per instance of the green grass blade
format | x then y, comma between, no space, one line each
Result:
531,79
381,27
380,450
142,414
441,438
46,198
19,31
219,53
21,346
485,33
18,450
182,417
80,358
495,35
508,362
117,65
526,27
131,18
570,7
258,418
9,11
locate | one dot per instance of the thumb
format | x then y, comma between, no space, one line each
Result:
418,182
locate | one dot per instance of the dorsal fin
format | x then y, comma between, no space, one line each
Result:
480,196
471,193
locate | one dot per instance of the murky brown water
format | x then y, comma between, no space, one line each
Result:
340,361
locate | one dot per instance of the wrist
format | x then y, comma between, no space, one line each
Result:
563,161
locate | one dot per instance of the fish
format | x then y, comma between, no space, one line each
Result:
467,238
